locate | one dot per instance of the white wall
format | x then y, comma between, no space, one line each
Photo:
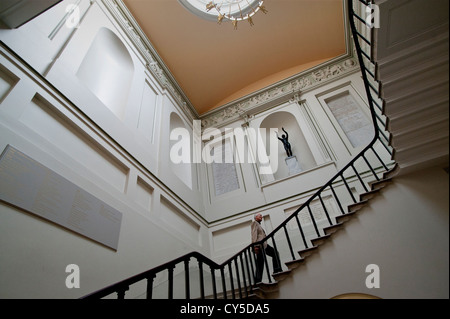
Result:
111,151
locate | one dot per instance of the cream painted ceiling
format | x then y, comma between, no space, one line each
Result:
215,64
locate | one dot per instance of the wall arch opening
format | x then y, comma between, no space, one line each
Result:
180,150
299,145
107,70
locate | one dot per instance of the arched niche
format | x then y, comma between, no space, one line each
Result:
107,70
180,156
299,145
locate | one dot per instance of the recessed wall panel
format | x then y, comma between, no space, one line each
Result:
29,185
144,194
147,111
107,70
43,118
178,221
225,174
7,82
353,121
236,236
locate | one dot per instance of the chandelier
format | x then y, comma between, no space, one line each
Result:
223,10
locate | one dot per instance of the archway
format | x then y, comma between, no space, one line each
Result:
299,145
107,70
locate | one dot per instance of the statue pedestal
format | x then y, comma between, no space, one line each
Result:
293,165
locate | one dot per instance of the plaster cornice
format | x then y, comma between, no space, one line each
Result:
265,98
281,92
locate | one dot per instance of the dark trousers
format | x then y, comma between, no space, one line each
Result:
260,262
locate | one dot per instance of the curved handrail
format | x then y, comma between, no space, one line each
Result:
122,286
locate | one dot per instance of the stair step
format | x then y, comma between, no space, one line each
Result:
357,206
262,289
344,218
307,252
369,194
319,240
294,263
267,287
281,275
392,172
332,229
380,184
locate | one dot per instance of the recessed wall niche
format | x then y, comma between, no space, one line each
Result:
299,145
7,82
107,70
181,167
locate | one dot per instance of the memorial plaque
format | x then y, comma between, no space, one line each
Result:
353,121
29,185
225,174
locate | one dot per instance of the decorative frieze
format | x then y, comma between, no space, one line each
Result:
303,82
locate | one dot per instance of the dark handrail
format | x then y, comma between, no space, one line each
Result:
123,286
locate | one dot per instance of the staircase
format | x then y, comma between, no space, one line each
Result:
414,86
264,290
412,59
413,73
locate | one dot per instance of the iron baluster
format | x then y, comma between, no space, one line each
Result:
170,292
150,280
301,231
224,287
231,279
337,200
202,282
186,279
213,279
325,209
238,278
313,220
289,244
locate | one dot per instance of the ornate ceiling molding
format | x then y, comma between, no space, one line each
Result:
281,92
263,99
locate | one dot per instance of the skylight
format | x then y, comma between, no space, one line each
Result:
219,10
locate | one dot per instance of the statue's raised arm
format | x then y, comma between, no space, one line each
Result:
278,137
286,144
